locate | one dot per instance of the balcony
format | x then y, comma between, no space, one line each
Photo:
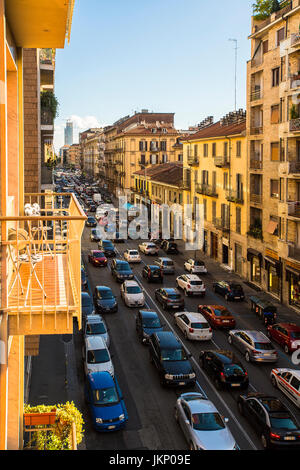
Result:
294,252
289,169
256,130
295,40
193,160
143,162
256,95
42,254
222,224
294,210
46,117
235,196
221,162
47,57
295,125
207,190
256,163
256,198
185,185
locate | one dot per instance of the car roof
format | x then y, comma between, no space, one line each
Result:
102,288
100,380
202,405
121,261
194,316
151,266
95,342
227,357
148,314
130,283
295,372
170,290
85,294
96,251
162,258
193,277
290,326
167,339
256,335
94,319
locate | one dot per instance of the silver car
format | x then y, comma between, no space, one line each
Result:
95,326
203,426
254,345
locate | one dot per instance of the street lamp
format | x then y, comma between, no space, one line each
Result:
235,74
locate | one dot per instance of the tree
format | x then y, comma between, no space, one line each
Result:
263,8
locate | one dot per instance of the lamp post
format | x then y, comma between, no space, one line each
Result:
235,73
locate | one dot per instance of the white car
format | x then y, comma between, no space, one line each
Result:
132,294
95,326
148,248
195,266
132,256
288,381
193,325
191,284
96,357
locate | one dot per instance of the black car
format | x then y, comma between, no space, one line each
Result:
92,207
91,222
147,322
152,273
104,300
224,368
170,247
271,419
107,247
229,290
95,235
171,360
169,298
121,270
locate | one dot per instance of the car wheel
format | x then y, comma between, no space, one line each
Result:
247,356
274,382
264,441
286,349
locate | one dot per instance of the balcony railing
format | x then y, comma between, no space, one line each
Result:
294,209
256,198
295,40
46,117
221,162
207,190
42,253
256,95
256,164
221,224
235,196
295,125
193,160
294,252
47,56
255,130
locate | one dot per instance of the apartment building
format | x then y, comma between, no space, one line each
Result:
74,155
92,147
138,142
215,179
273,133
40,266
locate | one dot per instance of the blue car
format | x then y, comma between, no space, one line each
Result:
87,307
147,322
105,401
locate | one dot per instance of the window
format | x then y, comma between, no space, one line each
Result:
164,158
238,219
205,209
225,149
225,181
238,148
275,151
180,157
274,188
214,149
265,46
275,114
196,150
205,150
163,145
280,34
154,159
275,77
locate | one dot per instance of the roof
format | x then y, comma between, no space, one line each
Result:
167,338
217,130
148,313
100,380
95,342
103,288
94,318
169,173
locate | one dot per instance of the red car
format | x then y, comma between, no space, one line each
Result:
217,316
285,334
97,258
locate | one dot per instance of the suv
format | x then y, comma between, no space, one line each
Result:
254,345
121,270
191,284
224,369
169,298
107,247
287,335
147,322
166,265
152,273
171,360
229,290
195,266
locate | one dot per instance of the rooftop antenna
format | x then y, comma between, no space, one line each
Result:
235,73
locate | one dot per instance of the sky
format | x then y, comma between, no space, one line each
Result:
162,55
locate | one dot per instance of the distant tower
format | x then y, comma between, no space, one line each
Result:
69,133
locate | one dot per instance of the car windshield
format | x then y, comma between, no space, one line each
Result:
98,255
173,355
123,267
85,301
222,313
295,334
106,294
95,328
168,263
264,346
199,326
151,323
283,422
196,283
233,369
133,290
107,244
106,396
236,287
173,296
207,422
198,263
134,253
98,356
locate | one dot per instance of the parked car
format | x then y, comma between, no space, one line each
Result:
84,281
104,300
132,294
147,322
95,326
191,284
169,298
193,325
107,247
203,426
195,266
148,248
96,357
225,370
87,307
288,381
95,235
171,360
91,222
271,419
166,265
285,334
217,316
97,258
132,256
105,401
121,270
254,345
229,290
152,273
170,247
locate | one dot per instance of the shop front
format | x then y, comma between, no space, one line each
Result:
273,269
255,259
293,279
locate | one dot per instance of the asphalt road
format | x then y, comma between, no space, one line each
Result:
150,407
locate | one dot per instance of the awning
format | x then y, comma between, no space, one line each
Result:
253,253
274,262
272,226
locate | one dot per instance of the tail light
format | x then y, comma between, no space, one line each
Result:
222,376
191,330
210,330
188,286
274,436
255,352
